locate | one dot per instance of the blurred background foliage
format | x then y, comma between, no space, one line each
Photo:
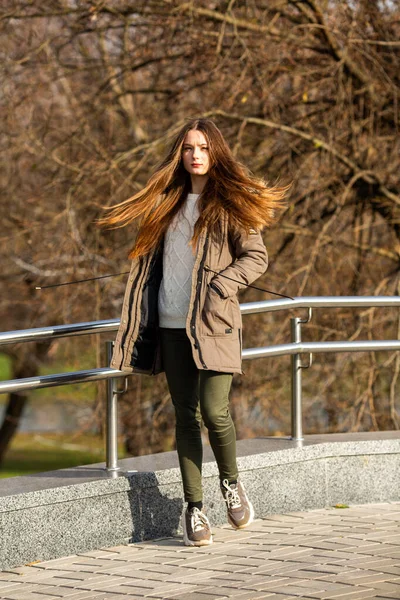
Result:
92,92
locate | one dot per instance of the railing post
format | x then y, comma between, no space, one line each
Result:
111,418
297,424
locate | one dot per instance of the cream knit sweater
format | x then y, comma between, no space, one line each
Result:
178,263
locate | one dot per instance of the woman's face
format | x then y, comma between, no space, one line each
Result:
195,155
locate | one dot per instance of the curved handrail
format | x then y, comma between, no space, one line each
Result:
246,308
295,349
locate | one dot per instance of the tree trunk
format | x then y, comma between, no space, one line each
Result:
26,364
15,408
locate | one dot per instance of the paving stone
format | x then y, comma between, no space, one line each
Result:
135,574
338,592
323,554
356,595
7,585
227,582
390,570
386,586
195,577
111,596
274,583
21,588
171,590
392,595
268,596
86,595
283,567
306,574
239,594
290,590
366,578
29,596
21,571
59,591
196,596
371,562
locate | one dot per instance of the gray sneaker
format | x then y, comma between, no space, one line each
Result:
196,528
240,509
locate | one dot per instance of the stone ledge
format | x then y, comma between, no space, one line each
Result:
58,513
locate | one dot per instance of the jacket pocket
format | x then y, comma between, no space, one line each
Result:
218,315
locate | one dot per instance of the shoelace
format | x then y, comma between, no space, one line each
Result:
197,519
232,497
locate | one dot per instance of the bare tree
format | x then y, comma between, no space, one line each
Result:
305,90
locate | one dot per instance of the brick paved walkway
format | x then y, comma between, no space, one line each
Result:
349,553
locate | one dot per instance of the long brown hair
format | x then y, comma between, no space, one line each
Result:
231,191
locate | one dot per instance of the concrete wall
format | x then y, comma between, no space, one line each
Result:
59,513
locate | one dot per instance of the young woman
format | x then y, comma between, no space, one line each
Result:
198,244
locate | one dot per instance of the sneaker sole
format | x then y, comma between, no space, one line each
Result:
188,542
251,519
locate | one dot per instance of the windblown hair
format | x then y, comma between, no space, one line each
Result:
231,192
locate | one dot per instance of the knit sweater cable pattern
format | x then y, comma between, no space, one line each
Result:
178,263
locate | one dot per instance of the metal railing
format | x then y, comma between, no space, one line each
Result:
295,349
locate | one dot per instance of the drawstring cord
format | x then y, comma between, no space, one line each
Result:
247,284
42,287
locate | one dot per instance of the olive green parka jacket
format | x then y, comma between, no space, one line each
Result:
214,322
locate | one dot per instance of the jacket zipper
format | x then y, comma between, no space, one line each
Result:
130,312
129,317
196,303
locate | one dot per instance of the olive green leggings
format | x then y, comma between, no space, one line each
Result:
198,394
